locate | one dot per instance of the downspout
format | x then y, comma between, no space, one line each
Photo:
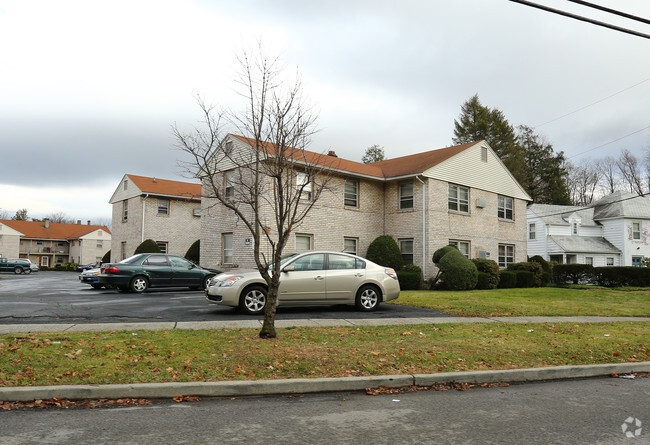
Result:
424,229
143,206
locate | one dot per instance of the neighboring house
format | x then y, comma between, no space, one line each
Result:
613,231
462,195
165,211
48,244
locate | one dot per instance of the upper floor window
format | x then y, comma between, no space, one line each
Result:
484,154
636,230
406,195
230,188
125,210
228,148
463,246
163,206
303,186
100,244
406,247
350,245
351,192
574,228
505,208
531,231
126,184
458,198
506,255
100,233
303,243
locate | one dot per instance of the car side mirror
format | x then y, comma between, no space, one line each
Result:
289,269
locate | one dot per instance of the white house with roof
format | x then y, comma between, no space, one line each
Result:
611,232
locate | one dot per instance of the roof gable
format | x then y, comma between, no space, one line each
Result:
133,185
58,231
622,205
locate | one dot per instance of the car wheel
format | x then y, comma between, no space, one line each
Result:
18,270
27,271
206,280
253,300
139,284
368,298
96,286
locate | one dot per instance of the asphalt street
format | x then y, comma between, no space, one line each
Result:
58,297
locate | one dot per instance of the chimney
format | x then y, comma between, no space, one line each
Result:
154,179
47,223
332,153
88,222
78,221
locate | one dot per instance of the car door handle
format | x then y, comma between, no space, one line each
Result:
358,275
318,278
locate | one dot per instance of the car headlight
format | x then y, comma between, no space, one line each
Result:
228,282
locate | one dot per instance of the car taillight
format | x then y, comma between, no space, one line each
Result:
111,269
391,273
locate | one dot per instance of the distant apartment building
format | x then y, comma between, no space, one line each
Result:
165,211
49,244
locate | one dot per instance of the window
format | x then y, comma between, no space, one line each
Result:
406,247
505,208
463,246
59,260
156,260
60,243
228,149
123,250
351,192
343,262
303,186
126,184
100,244
506,255
230,188
180,262
226,248
315,261
636,230
100,233
303,243
610,261
406,195
574,228
162,245
350,245
637,260
458,198
40,243
163,206
125,210
531,231
484,154
589,260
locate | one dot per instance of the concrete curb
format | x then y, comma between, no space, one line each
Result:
303,386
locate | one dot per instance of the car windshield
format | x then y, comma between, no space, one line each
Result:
131,259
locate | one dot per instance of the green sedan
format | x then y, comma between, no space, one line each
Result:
142,271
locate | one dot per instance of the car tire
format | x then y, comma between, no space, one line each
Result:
206,280
27,271
139,284
96,286
253,300
368,298
18,270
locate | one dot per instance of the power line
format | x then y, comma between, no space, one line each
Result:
610,142
582,18
593,103
611,11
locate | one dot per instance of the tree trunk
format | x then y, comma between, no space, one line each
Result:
268,327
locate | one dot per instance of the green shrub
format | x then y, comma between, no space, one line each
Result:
573,273
107,257
409,280
547,268
147,246
622,276
457,272
534,267
193,253
68,267
507,280
490,268
484,281
385,252
438,254
526,278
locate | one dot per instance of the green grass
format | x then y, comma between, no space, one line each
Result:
214,355
544,301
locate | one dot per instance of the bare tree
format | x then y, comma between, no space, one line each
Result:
60,217
582,181
267,178
610,181
4,214
630,169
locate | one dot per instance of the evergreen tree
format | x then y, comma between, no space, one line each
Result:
374,153
21,215
147,246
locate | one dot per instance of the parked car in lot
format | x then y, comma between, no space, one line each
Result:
311,278
142,271
91,276
83,267
32,267
17,265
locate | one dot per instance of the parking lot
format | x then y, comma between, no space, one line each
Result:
58,297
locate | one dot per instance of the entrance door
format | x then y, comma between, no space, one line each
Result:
636,260
45,261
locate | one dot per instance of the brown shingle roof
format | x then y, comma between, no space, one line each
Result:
36,229
390,168
166,187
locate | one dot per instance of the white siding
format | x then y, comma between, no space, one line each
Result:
120,194
536,246
614,232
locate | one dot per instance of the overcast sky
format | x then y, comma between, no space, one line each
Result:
89,88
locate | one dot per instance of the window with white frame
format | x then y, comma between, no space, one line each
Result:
589,260
406,195
163,206
303,186
463,246
531,231
162,245
230,187
100,244
126,184
123,250
610,261
303,242
458,198
350,245
226,248
406,247
506,255
506,208
636,230
484,154
125,210
351,192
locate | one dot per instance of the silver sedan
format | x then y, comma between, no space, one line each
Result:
307,279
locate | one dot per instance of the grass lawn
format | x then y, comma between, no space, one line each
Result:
238,354
542,301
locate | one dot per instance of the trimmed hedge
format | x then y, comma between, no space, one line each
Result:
438,254
534,267
457,272
385,251
107,257
573,273
622,276
147,246
508,279
194,252
491,269
409,280
526,278
547,269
